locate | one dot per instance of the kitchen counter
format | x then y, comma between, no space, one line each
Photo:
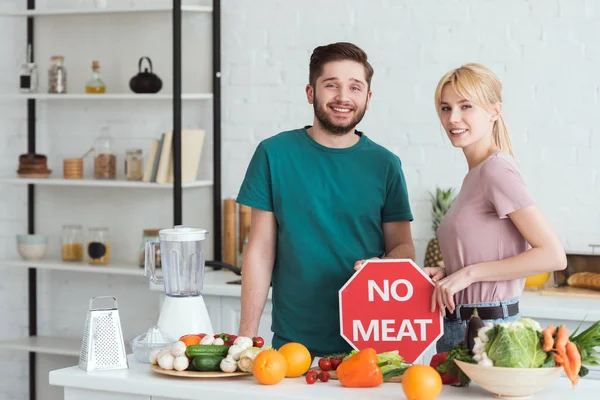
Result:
139,382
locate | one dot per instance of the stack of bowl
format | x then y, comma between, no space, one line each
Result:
73,168
33,165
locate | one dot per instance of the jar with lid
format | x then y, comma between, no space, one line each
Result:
72,243
57,75
105,161
98,246
28,74
133,165
149,235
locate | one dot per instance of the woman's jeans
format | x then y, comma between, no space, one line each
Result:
454,330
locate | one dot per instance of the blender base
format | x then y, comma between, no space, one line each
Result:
183,316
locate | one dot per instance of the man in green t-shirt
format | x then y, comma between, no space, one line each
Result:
324,198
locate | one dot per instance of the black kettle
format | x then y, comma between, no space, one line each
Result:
145,82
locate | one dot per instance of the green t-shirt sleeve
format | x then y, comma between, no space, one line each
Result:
256,190
397,205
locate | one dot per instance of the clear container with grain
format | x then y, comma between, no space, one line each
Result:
133,165
72,243
98,246
105,161
57,75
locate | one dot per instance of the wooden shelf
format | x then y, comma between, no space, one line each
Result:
106,96
101,183
45,345
95,11
113,268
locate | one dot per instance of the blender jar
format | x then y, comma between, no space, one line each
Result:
182,261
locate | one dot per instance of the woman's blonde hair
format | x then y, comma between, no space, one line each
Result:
478,84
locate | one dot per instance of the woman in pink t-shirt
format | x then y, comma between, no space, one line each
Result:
493,236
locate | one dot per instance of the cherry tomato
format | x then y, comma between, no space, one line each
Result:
258,342
335,362
325,364
324,376
311,377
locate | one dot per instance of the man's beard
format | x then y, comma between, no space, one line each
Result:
333,128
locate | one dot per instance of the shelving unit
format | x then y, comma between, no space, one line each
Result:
101,183
67,346
103,97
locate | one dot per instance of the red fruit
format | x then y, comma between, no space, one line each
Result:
311,377
325,364
324,376
335,362
258,342
447,377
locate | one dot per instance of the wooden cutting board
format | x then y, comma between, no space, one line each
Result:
567,291
333,375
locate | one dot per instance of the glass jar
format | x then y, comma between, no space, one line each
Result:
98,248
72,243
28,78
105,161
149,235
133,165
57,75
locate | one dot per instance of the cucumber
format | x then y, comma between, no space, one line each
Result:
207,363
207,350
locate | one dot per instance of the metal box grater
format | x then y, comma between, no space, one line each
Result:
102,347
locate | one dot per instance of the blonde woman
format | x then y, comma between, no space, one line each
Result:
494,235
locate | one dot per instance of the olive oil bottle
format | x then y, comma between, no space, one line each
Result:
95,85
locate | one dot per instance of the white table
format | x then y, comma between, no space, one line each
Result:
139,382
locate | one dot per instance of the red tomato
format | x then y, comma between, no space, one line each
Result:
258,342
324,376
335,362
325,364
311,377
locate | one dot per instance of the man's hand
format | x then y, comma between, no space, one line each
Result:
360,263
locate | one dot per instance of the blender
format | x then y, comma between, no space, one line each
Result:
182,258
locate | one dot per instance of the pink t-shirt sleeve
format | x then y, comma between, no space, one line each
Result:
503,187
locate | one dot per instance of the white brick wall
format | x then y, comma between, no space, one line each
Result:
547,54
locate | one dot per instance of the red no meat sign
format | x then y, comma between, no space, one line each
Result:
386,305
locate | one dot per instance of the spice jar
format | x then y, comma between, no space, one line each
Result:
98,248
133,165
72,243
150,235
105,162
57,75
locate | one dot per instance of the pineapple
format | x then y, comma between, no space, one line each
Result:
440,204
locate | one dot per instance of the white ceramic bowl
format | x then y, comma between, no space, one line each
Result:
511,382
32,247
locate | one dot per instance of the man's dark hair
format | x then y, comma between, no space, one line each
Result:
337,52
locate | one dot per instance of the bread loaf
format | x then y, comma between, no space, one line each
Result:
586,280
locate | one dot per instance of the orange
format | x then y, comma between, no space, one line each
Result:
298,359
190,340
421,382
269,367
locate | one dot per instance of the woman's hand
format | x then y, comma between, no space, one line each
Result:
443,295
435,273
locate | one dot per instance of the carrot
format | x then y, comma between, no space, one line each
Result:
568,368
575,360
558,360
548,335
562,337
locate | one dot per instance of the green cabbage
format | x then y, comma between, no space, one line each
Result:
516,344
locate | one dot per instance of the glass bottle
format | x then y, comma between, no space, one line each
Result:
57,75
72,243
133,165
105,161
149,235
95,84
28,74
98,246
